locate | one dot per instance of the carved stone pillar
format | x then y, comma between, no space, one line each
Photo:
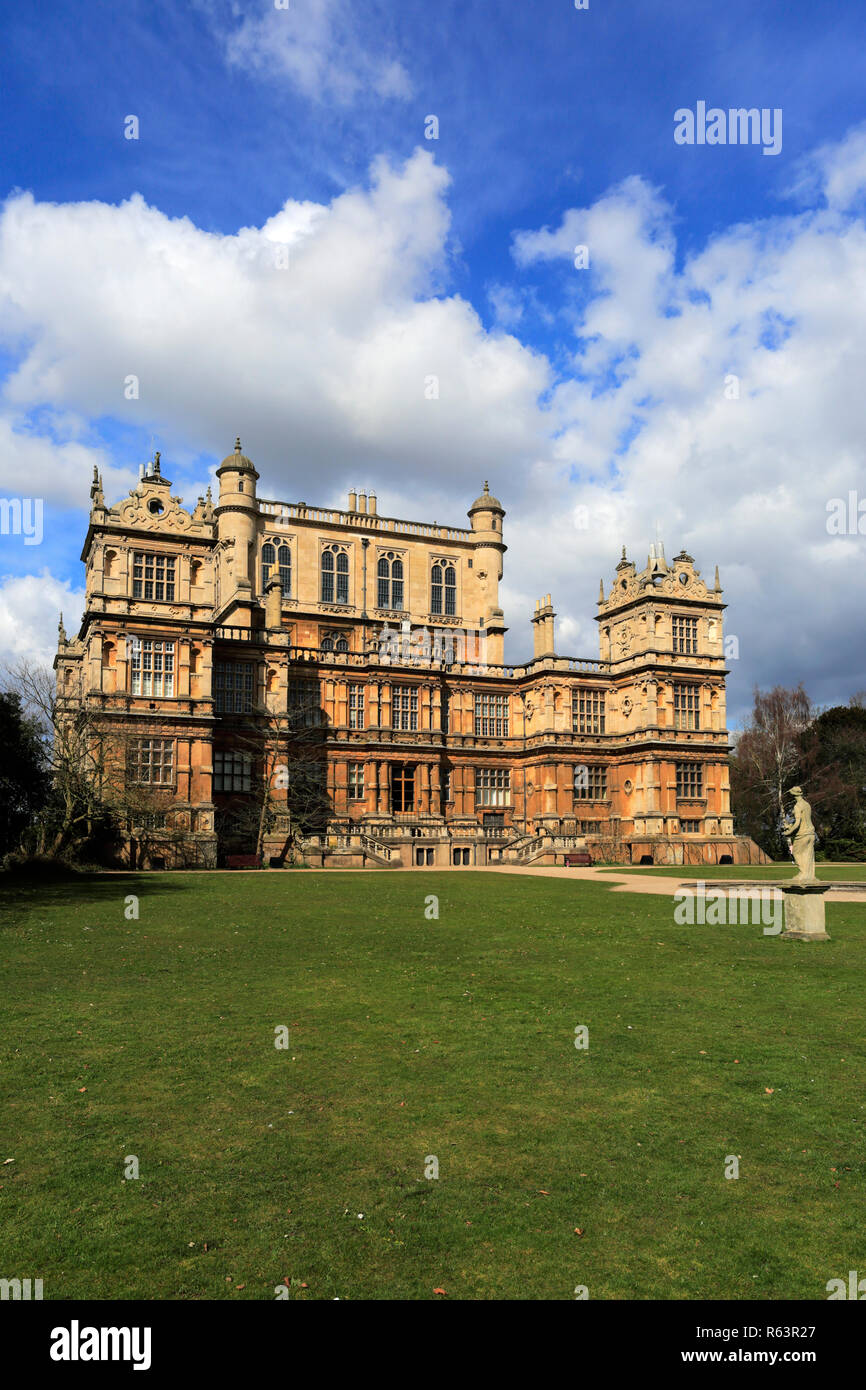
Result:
436,791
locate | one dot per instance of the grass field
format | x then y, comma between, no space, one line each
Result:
412,1037
833,873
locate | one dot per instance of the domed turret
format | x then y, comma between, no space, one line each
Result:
485,517
237,513
236,463
486,503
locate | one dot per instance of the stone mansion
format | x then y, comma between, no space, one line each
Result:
329,686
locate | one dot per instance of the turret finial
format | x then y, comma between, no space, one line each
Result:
238,449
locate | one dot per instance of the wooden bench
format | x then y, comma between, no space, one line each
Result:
243,861
581,860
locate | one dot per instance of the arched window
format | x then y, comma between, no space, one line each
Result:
285,563
443,589
269,559
335,642
327,576
450,590
390,576
436,589
335,575
342,577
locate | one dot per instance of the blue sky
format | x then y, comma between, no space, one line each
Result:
307,126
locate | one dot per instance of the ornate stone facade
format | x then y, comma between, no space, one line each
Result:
330,686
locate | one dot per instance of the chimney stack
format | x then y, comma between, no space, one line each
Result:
542,622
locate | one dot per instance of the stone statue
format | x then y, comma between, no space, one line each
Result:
800,832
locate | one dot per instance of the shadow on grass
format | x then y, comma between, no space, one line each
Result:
23,892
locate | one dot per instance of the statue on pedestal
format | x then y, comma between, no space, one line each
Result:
800,833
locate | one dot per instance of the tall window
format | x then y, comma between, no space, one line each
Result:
587,711
690,781
356,781
404,707
685,634
231,772
152,667
492,786
590,783
233,687
277,556
491,716
443,589
152,761
269,559
390,581
153,577
305,703
403,787
335,575
356,706
446,785
686,707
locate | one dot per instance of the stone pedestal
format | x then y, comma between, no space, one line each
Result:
804,911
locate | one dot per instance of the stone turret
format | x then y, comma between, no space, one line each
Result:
485,518
236,514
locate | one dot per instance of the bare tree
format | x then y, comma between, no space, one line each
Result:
92,793
767,760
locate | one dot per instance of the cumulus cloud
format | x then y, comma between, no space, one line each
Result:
30,606
321,48
321,336
716,393
722,397
32,464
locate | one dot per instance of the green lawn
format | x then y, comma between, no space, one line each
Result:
412,1037
832,872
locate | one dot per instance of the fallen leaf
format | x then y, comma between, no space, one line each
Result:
542,1192
81,1088
768,1090
440,1291
578,1231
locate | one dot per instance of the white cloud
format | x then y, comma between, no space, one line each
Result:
837,171
320,47
30,606
322,368
33,465
315,364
